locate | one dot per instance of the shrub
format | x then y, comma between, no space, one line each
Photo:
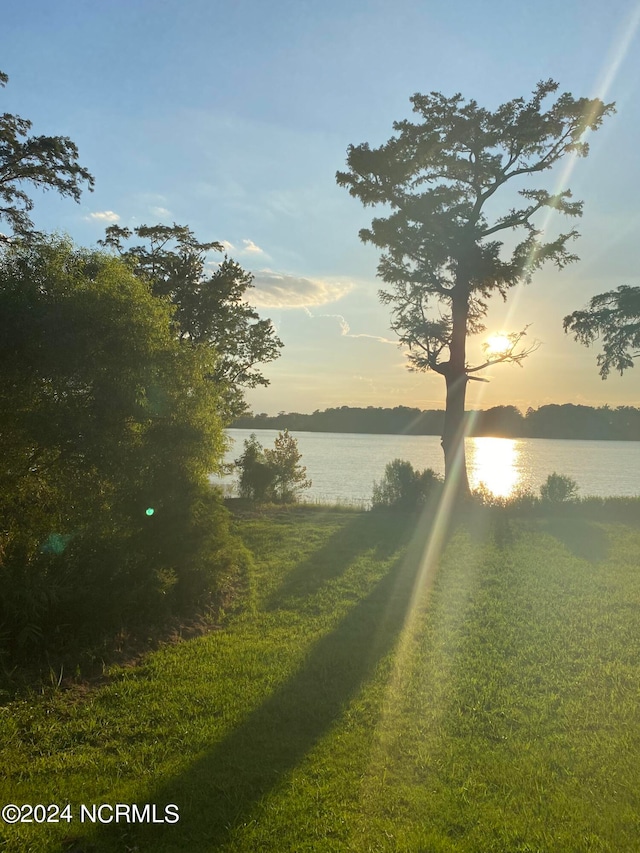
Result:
559,488
256,475
272,474
110,428
404,488
289,476
520,500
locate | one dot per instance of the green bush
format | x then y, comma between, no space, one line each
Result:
404,488
257,477
520,500
290,477
109,428
558,488
272,474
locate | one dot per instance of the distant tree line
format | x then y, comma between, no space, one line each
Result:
567,421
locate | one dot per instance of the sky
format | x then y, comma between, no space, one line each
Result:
233,118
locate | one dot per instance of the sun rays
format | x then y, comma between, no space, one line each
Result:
608,73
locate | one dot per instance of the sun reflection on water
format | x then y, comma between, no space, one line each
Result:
493,462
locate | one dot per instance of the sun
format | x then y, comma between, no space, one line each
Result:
498,344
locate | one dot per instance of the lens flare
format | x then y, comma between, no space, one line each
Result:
149,511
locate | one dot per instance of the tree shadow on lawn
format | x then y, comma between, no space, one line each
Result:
380,533
219,792
585,539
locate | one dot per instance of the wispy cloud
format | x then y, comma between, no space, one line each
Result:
345,329
274,290
250,248
376,338
160,212
103,216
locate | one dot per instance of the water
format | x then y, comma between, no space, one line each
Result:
344,466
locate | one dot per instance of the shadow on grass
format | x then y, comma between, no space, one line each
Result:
381,533
585,539
219,792
578,526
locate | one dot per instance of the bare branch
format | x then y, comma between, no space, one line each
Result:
511,355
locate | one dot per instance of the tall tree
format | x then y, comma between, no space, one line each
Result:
440,257
210,303
615,317
42,162
109,432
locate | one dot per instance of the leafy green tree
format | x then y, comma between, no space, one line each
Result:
274,474
211,306
109,431
615,318
290,477
41,162
440,178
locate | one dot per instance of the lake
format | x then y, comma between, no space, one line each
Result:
343,466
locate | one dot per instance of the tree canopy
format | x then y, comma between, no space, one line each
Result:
109,430
39,162
615,318
440,254
210,302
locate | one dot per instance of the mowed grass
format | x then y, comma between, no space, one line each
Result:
373,694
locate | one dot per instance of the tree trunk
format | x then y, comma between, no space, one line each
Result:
455,463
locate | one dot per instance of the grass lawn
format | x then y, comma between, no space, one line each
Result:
380,690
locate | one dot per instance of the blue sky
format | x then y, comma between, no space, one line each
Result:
233,117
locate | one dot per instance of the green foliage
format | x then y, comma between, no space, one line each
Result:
102,415
210,306
256,475
558,488
437,176
614,316
521,502
43,162
272,474
290,477
404,488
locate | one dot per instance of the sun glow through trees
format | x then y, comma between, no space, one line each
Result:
498,344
